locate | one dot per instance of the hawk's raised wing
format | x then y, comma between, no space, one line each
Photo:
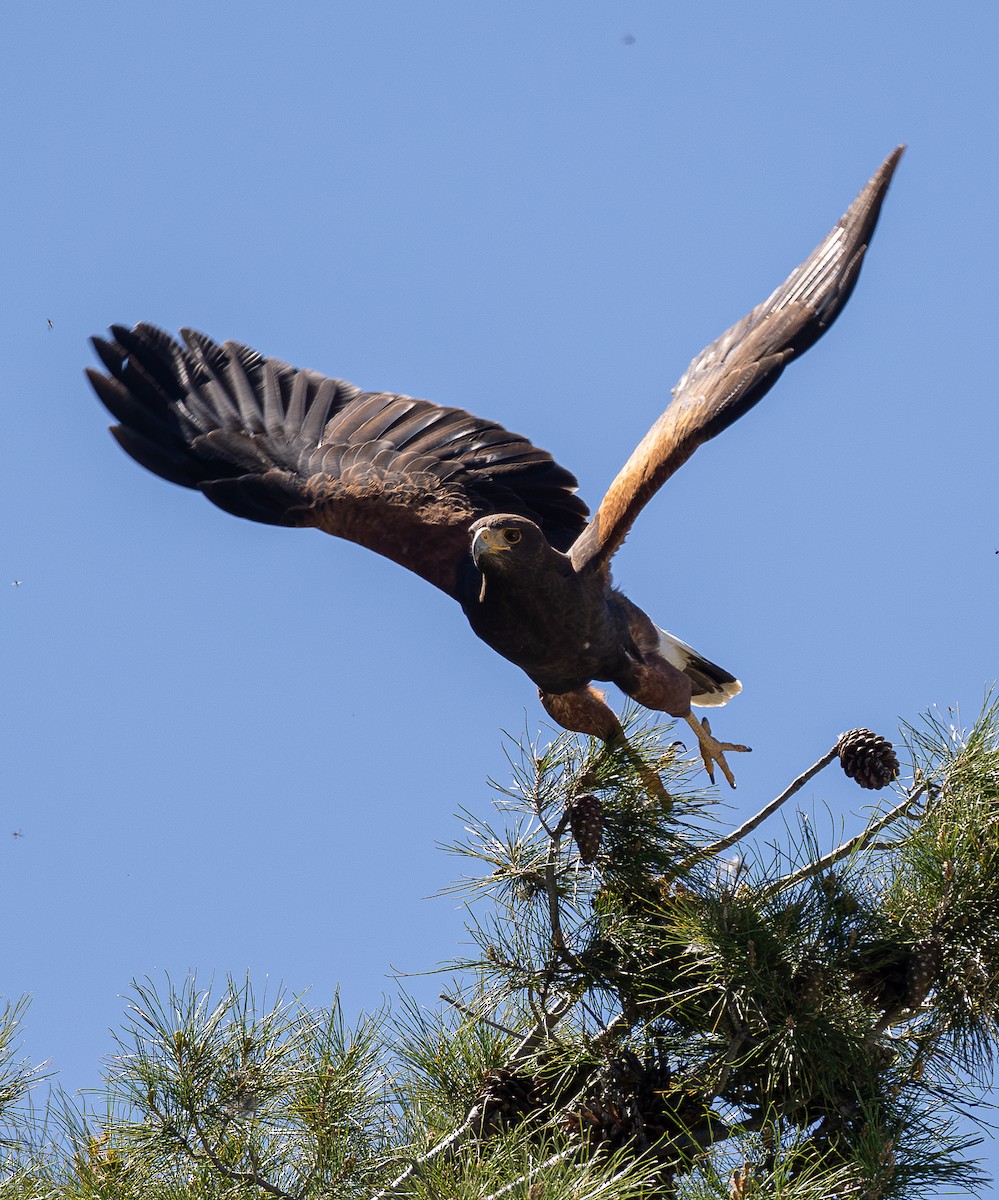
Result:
734,372
267,441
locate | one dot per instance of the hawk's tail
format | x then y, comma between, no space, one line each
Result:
712,685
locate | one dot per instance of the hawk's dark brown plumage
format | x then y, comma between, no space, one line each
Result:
478,511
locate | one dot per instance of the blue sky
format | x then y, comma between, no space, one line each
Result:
232,747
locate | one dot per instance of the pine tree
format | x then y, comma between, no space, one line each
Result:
647,1013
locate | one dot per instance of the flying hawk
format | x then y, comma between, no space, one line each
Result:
479,512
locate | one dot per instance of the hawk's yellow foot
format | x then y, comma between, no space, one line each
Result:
713,751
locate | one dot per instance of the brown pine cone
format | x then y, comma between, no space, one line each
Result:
810,984
506,1097
586,820
921,972
867,758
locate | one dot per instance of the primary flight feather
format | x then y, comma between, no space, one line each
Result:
477,511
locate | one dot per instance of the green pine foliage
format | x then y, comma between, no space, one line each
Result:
644,1015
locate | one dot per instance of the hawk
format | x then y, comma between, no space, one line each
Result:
479,512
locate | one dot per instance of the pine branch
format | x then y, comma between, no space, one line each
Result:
853,846
542,1031
525,1050
555,1159
463,1008
252,1177
730,839
453,1139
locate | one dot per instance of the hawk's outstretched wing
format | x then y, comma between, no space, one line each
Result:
734,372
267,441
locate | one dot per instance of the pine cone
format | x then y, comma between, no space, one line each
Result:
867,758
506,1098
809,982
586,820
921,972
600,1122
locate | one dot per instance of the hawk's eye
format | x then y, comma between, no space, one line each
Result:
513,536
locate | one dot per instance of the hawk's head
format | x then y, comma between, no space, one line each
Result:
504,542
513,549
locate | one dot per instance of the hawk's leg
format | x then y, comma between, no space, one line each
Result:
659,685
586,711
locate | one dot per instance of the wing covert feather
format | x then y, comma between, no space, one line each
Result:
732,374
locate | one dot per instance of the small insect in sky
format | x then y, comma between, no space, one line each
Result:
17,582
17,833
51,326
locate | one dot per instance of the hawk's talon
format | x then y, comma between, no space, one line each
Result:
713,751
